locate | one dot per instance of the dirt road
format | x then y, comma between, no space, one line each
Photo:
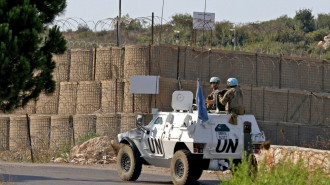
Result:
58,174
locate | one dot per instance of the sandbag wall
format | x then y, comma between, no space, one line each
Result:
93,90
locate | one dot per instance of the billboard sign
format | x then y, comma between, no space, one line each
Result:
203,22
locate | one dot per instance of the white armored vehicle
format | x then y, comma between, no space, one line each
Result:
180,141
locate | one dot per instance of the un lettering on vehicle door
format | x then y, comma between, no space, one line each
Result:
227,142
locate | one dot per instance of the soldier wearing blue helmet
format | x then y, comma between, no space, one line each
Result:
233,99
211,98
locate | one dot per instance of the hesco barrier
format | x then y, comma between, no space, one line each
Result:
128,121
164,98
4,132
30,108
88,97
40,132
302,74
108,125
112,96
84,125
61,132
18,136
48,104
268,70
136,102
62,70
81,65
190,63
68,98
109,63
287,105
164,61
137,61
284,133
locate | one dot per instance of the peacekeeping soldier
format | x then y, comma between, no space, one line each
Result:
233,99
211,98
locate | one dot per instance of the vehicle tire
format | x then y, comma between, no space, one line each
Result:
197,168
182,168
129,164
197,173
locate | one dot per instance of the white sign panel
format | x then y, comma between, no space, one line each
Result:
200,23
144,84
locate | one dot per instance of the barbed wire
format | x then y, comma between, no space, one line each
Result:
102,33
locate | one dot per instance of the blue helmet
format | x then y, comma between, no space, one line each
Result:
232,81
215,80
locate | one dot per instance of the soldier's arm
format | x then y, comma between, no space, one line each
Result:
223,100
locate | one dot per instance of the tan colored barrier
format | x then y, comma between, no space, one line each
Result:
257,103
109,63
4,132
81,65
30,108
326,109
40,132
164,60
48,104
112,96
88,97
83,125
247,98
275,104
326,76
61,132
268,70
136,61
18,137
128,121
137,102
68,98
166,88
310,73
61,72
317,108
108,125
196,59
299,107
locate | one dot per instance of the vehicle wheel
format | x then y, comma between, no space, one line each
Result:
129,164
197,173
181,168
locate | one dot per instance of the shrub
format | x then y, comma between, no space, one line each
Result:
285,172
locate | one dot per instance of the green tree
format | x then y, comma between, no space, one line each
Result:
323,21
305,20
26,48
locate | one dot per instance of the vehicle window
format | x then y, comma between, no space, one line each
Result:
159,121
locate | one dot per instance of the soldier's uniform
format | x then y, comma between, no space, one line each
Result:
215,95
233,99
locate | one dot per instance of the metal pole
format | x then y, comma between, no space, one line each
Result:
152,28
234,37
29,136
118,24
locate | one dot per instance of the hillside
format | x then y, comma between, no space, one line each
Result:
302,35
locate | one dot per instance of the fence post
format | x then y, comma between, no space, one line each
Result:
280,72
256,54
29,136
178,64
152,28
287,106
94,64
323,66
69,64
263,104
72,128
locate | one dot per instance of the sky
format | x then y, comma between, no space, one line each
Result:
236,11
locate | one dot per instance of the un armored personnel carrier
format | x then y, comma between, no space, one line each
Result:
182,142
